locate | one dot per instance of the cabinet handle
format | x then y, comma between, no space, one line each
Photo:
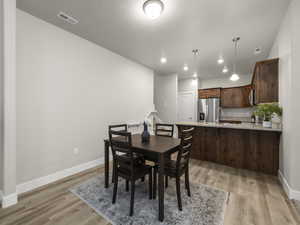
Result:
251,98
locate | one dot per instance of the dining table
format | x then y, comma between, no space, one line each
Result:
157,149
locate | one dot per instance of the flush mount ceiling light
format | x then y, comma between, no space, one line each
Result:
220,60
153,8
185,68
225,69
235,76
163,60
195,75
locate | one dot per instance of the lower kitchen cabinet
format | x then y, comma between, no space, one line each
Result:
246,149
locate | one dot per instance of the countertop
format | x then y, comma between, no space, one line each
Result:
242,126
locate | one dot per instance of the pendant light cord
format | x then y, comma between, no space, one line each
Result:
195,52
235,40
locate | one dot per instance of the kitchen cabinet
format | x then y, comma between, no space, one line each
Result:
255,150
265,81
236,97
263,89
209,93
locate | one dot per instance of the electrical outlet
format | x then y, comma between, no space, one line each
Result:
76,151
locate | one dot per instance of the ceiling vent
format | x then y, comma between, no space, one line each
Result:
67,18
257,51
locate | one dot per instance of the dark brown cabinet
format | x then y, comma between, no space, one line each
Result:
265,81
209,93
264,88
234,142
236,97
246,149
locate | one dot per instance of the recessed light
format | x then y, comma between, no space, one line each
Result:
195,74
185,68
225,69
234,77
153,8
163,60
220,61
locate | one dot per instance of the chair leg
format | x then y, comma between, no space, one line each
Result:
187,182
166,181
150,185
115,187
155,182
113,172
178,193
132,198
166,177
127,185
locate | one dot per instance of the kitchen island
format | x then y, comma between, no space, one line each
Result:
245,145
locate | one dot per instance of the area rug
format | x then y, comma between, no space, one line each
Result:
206,206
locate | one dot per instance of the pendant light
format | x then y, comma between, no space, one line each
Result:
225,69
235,76
195,53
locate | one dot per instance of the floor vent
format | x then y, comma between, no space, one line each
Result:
67,18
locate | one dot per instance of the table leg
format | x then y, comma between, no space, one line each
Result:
161,187
106,163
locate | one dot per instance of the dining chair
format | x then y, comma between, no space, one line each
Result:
127,165
176,168
164,130
120,128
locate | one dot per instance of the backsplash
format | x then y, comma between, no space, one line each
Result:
240,114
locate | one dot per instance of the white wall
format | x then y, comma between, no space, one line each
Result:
165,97
224,82
8,73
68,91
287,48
189,84
1,97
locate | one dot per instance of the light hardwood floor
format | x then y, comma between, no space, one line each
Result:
255,199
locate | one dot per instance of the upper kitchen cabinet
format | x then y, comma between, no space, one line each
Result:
236,97
265,81
209,93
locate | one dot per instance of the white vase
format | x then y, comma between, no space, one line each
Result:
276,121
256,120
267,124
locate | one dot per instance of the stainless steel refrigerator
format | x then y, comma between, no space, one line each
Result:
209,110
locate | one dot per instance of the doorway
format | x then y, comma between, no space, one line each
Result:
187,106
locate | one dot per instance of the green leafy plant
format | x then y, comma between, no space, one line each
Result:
266,111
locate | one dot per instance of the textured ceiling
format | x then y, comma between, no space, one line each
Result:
208,25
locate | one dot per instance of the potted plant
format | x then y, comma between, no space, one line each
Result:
266,111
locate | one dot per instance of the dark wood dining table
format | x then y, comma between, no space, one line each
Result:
156,150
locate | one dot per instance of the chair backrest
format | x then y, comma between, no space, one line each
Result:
185,147
165,130
121,144
118,127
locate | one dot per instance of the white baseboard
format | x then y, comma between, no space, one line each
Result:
36,183
9,200
291,193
